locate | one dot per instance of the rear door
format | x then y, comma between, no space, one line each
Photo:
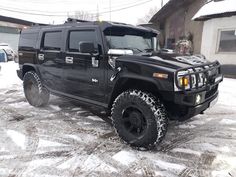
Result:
84,73
50,59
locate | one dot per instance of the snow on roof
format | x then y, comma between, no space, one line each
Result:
215,8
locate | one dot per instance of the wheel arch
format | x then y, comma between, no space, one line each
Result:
126,83
28,67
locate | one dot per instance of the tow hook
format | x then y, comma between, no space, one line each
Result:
115,74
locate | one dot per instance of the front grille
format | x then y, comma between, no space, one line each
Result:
211,92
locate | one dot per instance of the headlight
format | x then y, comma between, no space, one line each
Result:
183,81
201,79
189,79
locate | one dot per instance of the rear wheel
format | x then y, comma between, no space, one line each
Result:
139,118
36,94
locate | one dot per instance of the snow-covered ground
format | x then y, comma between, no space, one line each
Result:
64,139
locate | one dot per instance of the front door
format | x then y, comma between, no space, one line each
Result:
84,72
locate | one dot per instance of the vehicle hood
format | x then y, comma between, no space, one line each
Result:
173,61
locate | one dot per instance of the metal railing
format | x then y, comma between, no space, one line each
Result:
209,72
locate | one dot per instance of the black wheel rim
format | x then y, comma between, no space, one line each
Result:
134,121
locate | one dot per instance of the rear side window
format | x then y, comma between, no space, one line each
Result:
28,40
75,37
52,40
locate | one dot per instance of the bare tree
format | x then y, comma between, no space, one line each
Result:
83,15
148,16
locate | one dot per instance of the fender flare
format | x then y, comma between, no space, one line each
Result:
30,65
136,77
127,76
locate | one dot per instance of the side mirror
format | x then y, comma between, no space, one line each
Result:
86,47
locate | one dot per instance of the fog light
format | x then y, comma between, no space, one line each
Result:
198,99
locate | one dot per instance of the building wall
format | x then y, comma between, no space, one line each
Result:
11,39
9,33
195,27
210,39
180,23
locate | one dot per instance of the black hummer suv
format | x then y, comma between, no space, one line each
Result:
117,67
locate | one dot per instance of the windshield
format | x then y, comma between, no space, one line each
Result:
135,40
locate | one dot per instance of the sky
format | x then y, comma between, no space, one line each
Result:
56,11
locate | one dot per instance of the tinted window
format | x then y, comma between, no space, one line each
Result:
75,37
28,40
52,40
227,41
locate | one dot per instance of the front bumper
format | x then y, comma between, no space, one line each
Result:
195,110
184,105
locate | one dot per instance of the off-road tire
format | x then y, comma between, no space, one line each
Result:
36,94
152,110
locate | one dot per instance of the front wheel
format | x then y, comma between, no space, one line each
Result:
36,94
139,118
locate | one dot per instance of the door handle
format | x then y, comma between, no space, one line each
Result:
69,60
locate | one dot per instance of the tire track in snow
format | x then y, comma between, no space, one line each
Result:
31,148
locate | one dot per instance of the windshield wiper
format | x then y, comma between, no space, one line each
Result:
148,50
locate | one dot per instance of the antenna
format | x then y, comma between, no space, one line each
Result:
110,19
97,12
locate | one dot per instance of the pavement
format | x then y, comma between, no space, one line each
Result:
65,139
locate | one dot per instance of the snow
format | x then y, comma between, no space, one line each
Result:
213,8
72,163
167,166
64,140
125,157
216,148
229,166
227,121
2,149
76,109
55,107
43,162
198,122
4,171
186,126
95,118
75,137
8,70
19,104
5,157
188,151
17,138
95,163
46,143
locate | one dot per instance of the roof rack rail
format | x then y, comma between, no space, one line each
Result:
38,24
74,20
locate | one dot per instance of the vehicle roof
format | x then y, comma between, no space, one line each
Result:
102,24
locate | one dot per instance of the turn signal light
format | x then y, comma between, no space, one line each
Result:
160,75
184,82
